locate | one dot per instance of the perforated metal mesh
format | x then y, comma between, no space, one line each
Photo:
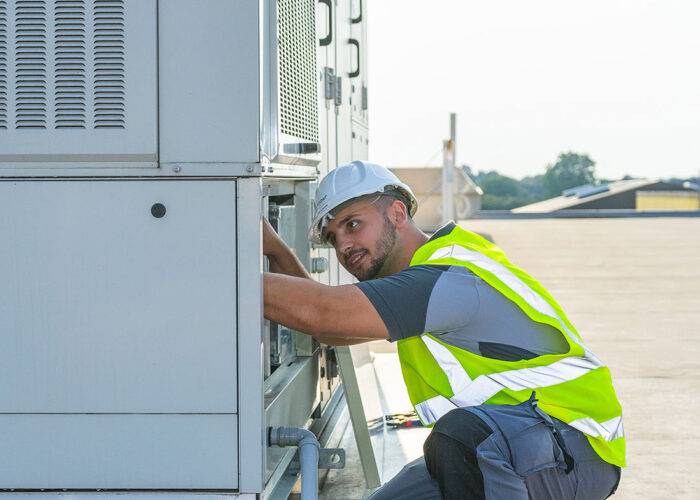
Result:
297,68
62,64
3,64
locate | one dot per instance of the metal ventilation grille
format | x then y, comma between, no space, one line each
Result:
109,64
297,68
62,64
70,63
30,64
3,65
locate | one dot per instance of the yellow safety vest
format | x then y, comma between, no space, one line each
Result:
574,387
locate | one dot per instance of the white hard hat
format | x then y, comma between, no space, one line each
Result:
351,181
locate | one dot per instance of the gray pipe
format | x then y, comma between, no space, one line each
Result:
308,456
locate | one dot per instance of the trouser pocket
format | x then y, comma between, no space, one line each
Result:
522,459
529,435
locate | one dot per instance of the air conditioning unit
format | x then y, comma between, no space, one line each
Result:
121,83
141,144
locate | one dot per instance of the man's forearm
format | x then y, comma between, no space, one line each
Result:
307,306
286,262
341,341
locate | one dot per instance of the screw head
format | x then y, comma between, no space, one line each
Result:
177,169
249,168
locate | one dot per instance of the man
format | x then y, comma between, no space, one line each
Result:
520,407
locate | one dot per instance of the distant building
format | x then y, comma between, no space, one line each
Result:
426,184
668,200
635,194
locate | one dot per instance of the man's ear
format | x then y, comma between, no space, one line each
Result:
397,212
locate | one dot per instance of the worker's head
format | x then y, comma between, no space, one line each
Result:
360,209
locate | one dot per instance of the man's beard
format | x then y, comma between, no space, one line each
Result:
384,247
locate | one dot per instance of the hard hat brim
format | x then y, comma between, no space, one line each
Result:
315,233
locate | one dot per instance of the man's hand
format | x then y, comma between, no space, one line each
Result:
333,314
281,258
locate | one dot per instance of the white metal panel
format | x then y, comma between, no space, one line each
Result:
360,141
345,63
80,81
252,440
209,78
119,451
358,89
105,308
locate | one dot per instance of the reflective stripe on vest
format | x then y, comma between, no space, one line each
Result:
508,278
612,429
431,410
468,392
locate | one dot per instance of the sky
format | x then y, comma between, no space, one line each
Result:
618,80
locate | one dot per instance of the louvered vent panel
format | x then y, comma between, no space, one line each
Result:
30,63
3,64
78,83
109,64
297,68
69,64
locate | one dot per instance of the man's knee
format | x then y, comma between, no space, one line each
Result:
450,454
462,426
455,436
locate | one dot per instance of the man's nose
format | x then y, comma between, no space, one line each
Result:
343,243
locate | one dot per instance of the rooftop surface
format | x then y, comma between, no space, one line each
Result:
632,289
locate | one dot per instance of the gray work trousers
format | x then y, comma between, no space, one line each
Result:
520,459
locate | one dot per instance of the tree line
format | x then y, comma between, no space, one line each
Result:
503,193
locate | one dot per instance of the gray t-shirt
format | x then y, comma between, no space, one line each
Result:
460,309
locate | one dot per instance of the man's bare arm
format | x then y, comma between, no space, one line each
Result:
332,312
280,257
338,341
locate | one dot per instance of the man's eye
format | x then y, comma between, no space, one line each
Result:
353,224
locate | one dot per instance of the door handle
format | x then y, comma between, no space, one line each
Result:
355,73
329,37
357,19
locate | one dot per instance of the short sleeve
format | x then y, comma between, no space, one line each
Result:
425,298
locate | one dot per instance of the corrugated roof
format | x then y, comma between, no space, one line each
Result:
565,202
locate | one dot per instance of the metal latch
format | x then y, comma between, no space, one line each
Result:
338,90
331,363
328,458
329,81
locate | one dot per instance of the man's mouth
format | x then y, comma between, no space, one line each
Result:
355,258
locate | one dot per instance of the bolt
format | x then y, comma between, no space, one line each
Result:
177,169
249,169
